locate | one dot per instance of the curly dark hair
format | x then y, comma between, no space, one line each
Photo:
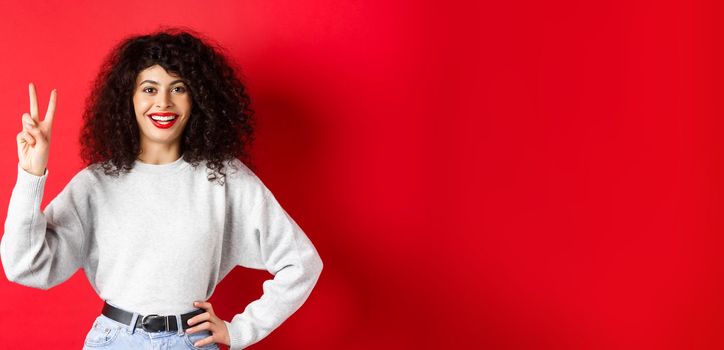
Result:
221,122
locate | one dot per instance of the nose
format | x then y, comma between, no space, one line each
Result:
163,100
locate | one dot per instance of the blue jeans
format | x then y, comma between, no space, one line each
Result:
110,334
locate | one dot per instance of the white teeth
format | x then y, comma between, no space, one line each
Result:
160,118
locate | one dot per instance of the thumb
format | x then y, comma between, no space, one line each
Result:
36,134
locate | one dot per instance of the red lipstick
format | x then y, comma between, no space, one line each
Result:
163,124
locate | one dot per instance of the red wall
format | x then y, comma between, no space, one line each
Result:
521,175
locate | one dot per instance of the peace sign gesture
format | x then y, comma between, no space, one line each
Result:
34,140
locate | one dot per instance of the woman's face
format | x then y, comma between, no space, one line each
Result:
163,97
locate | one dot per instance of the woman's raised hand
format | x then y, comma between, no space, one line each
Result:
34,140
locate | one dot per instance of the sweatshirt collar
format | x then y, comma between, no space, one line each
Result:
178,164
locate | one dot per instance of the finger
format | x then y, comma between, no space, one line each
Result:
29,139
200,327
203,304
28,122
202,342
32,130
21,137
22,145
198,318
33,102
36,134
50,113
24,137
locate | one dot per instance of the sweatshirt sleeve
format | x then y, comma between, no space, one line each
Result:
42,249
276,243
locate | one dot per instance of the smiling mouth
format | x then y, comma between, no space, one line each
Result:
163,121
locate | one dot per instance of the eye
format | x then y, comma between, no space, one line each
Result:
180,89
146,88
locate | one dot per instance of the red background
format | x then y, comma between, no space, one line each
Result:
514,175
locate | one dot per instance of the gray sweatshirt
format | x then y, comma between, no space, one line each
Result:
160,237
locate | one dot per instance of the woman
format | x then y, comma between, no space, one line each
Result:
164,208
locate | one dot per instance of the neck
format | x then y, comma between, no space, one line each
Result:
159,153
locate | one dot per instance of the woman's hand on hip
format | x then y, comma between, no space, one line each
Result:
209,321
34,141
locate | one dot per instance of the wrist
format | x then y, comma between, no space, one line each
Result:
34,171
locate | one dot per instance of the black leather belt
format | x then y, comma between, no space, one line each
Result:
149,323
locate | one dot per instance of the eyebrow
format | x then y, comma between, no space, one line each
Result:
156,83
